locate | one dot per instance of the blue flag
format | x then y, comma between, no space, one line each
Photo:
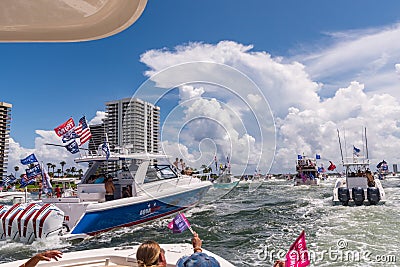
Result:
34,171
26,181
106,149
68,136
9,179
72,147
318,156
299,157
356,151
29,159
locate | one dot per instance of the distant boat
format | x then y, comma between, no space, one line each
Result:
156,192
225,181
307,171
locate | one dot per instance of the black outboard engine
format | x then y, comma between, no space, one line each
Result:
358,195
373,195
344,195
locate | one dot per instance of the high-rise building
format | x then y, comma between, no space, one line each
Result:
133,124
98,132
5,121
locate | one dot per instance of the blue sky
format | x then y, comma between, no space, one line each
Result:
49,82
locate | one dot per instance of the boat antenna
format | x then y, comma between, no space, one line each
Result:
340,145
366,142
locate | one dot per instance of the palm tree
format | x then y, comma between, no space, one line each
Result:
73,170
48,166
67,171
53,166
16,168
58,172
80,171
62,163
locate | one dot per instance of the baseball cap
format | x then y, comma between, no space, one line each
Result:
198,259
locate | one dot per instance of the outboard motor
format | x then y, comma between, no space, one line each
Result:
344,195
373,195
358,195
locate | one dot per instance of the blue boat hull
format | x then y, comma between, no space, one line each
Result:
101,220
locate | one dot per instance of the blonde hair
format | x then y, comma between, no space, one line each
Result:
148,254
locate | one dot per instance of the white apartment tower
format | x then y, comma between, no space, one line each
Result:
5,121
132,124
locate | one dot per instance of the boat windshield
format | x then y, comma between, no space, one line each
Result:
159,172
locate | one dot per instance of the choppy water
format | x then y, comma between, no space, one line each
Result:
255,228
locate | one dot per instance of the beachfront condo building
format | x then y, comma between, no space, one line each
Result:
5,122
132,125
98,132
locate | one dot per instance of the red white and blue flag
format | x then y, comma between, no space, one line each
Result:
179,224
83,131
297,255
46,179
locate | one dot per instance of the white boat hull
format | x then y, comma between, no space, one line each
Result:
341,183
119,256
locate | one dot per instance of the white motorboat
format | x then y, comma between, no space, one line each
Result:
307,171
119,256
225,181
13,196
358,187
156,192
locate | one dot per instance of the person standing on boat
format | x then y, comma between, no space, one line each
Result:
176,164
110,189
182,166
58,191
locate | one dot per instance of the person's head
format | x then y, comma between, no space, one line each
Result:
198,260
150,254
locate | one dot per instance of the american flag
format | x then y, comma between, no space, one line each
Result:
83,130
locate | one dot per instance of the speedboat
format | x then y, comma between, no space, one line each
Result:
119,256
226,181
156,191
358,186
13,196
307,171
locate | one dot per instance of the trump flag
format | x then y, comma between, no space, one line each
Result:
29,159
65,127
179,224
297,255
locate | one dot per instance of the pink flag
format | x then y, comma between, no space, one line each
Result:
179,224
297,255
